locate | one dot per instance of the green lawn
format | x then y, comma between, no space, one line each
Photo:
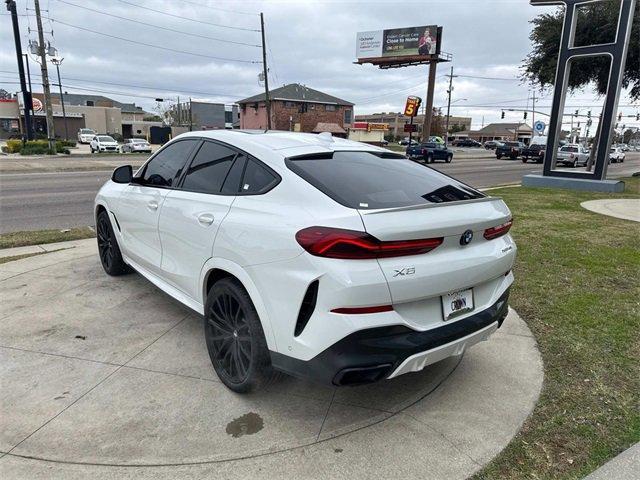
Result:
22,239
578,288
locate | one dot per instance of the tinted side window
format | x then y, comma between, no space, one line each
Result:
232,183
209,168
257,178
363,180
164,169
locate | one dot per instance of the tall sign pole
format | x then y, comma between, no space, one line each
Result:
267,100
51,134
428,111
26,94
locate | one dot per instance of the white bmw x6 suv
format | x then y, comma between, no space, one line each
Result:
311,255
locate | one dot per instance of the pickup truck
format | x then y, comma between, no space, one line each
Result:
535,152
509,149
430,152
573,155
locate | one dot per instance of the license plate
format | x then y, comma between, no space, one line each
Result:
457,303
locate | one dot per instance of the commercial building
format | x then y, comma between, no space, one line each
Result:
199,115
297,108
498,131
397,121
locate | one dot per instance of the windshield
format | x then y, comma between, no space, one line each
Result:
105,138
367,180
86,131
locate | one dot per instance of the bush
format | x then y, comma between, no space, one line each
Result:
66,143
14,146
36,147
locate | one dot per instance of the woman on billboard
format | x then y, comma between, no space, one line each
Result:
426,43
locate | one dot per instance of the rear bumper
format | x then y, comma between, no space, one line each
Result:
372,354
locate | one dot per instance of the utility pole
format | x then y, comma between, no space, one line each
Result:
265,71
57,62
26,95
533,111
190,116
51,134
428,109
449,92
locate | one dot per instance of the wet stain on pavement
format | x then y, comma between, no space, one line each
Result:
247,424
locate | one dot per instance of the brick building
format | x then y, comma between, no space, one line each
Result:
298,108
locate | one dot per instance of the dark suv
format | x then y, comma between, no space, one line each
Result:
510,149
430,152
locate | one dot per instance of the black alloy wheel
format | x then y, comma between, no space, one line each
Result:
231,337
110,256
235,339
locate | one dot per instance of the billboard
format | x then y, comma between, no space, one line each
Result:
398,42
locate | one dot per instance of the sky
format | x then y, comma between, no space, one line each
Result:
212,53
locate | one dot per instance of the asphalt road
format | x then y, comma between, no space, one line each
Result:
33,201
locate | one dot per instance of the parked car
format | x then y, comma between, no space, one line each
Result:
509,149
85,135
573,155
492,144
616,155
299,265
103,143
466,142
135,145
430,152
534,152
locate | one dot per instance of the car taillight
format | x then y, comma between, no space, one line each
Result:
495,232
423,151
354,245
363,310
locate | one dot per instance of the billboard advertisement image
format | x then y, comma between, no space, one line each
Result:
398,42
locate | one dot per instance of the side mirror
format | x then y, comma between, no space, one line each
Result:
122,174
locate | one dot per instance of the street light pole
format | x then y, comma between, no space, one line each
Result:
57,62
267,100
449,92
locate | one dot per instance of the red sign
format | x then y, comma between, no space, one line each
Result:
360,125
37,104
410,127
412,106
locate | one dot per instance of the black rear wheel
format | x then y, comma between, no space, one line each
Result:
235,339
110,256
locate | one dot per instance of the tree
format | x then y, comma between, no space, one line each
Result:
597,23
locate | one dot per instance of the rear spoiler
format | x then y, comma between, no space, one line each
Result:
429,205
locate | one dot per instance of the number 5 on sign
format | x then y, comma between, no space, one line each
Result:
412,106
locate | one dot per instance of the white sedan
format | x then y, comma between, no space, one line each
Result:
616,155
135,145
311,255
103,143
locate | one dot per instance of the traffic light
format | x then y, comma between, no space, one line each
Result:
589,114
620,116
502,116
525,115
576,114
637,117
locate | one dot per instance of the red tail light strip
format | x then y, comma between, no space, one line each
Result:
363,310
495,232
351,244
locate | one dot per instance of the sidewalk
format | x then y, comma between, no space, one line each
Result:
625,466
44,248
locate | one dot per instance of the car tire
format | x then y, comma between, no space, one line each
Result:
449,158
108,249
429,158
574,164
498,157
524,159
235,339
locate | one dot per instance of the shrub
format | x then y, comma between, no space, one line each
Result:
14,146
37,147
66,143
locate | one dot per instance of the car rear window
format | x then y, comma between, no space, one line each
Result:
569,149
367,180
512,144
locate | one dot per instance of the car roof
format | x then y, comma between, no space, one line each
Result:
282,142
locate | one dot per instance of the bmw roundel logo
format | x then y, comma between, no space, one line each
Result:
466,237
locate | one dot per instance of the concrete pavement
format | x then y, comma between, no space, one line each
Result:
625,466
109,378
624,208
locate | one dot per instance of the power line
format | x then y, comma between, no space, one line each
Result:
218,8
488,78
187,18
158,26
151,45
144,87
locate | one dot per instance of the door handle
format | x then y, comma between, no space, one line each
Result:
153,205
205,219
